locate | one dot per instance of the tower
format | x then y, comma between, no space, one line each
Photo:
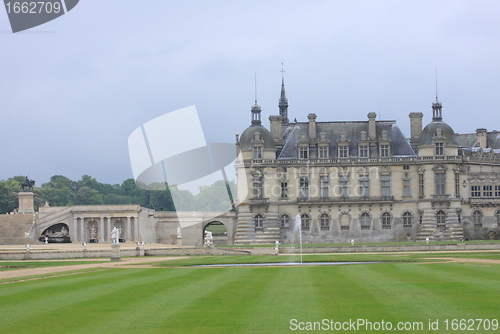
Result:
283,101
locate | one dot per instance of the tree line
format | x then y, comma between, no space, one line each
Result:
62,191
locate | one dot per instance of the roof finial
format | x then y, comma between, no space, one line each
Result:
436,83
255,87
282,74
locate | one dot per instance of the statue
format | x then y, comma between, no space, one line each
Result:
93,233
179,236
115,235
208,238
27,184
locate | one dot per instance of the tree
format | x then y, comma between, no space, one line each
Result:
8,196
87,196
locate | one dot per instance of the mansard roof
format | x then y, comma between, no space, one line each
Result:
292,136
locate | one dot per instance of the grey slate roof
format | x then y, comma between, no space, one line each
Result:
291,135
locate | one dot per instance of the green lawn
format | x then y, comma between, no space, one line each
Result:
254,299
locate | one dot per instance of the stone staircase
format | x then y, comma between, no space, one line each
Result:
13,229
246,234
428,229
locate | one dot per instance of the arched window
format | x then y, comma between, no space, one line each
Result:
407,219
345,221
325,221
477,218
441,219
386,221
497,216
365,221
284,221
259,222
305,221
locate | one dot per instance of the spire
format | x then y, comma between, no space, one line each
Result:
283,102
256,110
437,107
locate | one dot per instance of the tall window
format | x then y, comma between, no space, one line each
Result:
258,220
305,220
440,183
407,220
364,185
365,221
344,185
457,185
439,148
441,219
345,221
257,186
385,185
386,221
325,221
284,190
323,186
487,191
303,152
420,185
304,187
257,152
497,216
343,151
384,150
497,191
477,218
406,188
363,151
475,191
323,152
284,221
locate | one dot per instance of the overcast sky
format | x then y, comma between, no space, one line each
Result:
73,90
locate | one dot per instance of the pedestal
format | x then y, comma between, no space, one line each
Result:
26,202
179,241
115,252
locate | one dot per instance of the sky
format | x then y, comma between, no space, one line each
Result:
73,90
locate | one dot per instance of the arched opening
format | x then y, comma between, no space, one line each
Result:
58,233
219,233
120,225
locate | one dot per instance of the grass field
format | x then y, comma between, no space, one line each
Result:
176,299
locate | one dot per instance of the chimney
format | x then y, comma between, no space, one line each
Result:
372,132
276,128
481,137
312,127
415,127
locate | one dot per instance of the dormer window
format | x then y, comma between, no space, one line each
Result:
439,148
323,151
384,150
303,152
343,151
257,152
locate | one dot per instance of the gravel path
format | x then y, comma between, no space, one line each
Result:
135,262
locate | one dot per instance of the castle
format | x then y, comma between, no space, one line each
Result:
343,180
364,181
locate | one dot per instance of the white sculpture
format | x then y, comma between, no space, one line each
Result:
208,238
179,236
115,235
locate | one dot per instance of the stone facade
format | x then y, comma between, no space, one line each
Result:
364,180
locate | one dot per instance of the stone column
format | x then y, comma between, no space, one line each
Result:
101,230
128,234
136,228
108,228
73,231
82,229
